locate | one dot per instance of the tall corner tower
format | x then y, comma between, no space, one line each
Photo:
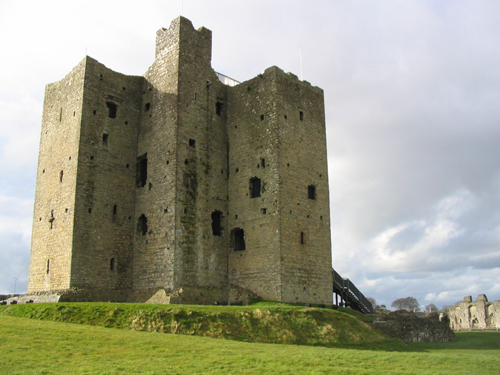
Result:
183,198
84,204
278,189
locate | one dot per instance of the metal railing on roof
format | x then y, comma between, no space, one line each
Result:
227,80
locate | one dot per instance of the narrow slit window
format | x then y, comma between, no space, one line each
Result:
147,107
115,209
311,192
263,163
51,220
112,264
216,223
238,239
113,108
302,238
301,115
61,174
105,138
255,187
142,170
47,270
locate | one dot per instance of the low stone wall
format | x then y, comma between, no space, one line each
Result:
407,327
480,315
70,295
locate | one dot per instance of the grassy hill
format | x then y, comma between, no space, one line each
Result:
262,322
30,346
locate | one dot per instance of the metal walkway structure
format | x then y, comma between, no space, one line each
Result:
350,296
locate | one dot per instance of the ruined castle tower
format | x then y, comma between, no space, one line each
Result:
175,187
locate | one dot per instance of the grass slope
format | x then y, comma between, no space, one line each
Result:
263,323
30,346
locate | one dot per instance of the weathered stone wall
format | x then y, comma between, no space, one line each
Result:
276,130
157,176
202,148
479,315
105,186
407,327
54,211
304,219
254,142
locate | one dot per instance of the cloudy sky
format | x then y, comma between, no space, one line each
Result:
412,92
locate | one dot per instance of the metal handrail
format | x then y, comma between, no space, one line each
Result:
227,80
350,294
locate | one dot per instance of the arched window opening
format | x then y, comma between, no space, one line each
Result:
142,225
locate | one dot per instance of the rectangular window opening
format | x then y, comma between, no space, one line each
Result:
238,239
219,106
192,143
311,192
105,138
255,185
113,108
263,163
112,264
301,115
216,223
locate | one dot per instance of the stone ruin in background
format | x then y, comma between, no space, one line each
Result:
479,315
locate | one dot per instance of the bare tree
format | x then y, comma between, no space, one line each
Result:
431,306
409,303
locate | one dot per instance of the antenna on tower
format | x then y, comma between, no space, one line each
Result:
301,64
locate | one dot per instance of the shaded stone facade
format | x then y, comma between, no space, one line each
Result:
173,187
479,315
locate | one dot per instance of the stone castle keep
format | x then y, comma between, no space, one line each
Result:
174,187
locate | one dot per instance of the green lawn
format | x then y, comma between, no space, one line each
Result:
29,346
